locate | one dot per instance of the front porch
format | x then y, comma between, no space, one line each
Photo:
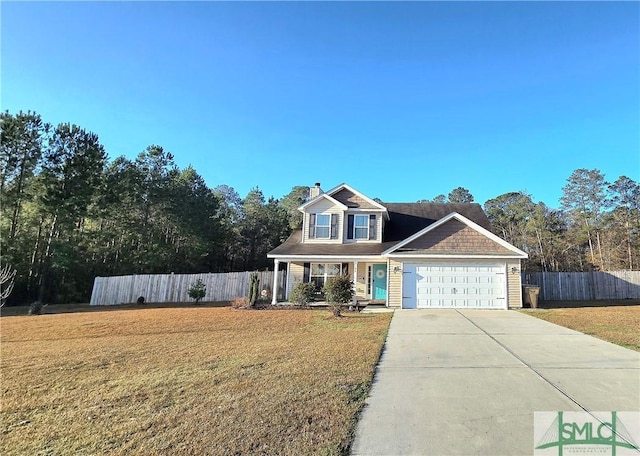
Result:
369,276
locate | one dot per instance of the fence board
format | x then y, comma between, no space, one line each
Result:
160,288
585,286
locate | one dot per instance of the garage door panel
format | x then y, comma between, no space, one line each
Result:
455,285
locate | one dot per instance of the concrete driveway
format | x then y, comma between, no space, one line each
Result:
467,382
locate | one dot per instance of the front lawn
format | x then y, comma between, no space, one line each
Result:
185,381
620,325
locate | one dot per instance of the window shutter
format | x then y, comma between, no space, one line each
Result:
372,226
312,226
345,268
334,226
350,226
306,274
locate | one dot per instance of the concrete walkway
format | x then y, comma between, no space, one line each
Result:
467,382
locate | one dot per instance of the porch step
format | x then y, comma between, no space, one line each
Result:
377,308
372,302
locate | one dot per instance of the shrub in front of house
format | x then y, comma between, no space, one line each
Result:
338,291
302,293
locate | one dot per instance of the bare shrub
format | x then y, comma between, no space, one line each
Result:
241,303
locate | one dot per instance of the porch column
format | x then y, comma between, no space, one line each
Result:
286,280
274,290
355,283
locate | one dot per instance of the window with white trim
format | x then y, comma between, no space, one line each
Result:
320,272
361,227
323,226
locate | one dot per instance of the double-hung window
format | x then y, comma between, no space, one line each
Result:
323,226
361,227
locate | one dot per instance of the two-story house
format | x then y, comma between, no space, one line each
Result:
405,255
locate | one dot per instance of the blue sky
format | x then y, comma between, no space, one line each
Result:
401,100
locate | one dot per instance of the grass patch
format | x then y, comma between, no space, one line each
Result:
186,380
619,325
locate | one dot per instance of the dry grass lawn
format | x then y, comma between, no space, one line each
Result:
620,325
185,381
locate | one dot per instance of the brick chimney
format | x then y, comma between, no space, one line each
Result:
315,190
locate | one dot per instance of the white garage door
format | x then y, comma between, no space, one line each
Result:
470,285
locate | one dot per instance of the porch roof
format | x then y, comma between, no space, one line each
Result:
293,246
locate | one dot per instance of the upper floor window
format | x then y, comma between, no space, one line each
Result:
361,226
323,226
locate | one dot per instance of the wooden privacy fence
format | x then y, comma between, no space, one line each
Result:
174,287
580,286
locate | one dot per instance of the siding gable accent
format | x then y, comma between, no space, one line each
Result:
350,199
454,237
510,249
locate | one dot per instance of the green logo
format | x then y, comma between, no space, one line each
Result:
589,432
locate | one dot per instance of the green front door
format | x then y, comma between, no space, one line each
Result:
379,281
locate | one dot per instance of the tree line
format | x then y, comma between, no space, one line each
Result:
68,214
597,226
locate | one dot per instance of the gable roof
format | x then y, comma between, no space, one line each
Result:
508,248
318,198
370,203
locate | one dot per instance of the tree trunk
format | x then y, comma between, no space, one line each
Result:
602,268
46,263
34,254
593,258
629,246
543,261
17,203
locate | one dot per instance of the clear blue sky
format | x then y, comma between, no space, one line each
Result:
403,101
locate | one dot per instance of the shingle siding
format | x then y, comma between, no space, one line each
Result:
350,199
454,237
